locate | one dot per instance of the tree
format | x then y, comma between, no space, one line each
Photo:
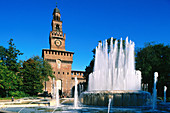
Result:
32,84
5,80
12,57
35,72
10,80
154,58
2,53
47,72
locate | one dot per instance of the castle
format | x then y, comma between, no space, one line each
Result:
60,60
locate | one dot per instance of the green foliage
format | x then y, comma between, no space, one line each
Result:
9,68
2,53
35,72
18,94
20,79
31,77
12,56
8,79
46,71
9,98
154,58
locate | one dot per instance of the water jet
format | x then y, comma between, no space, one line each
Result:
75,94
165,88
114,76
155,91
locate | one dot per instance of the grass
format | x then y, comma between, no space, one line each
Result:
15,98
9,98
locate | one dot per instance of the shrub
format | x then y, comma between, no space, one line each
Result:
18,94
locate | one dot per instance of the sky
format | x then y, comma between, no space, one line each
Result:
85,22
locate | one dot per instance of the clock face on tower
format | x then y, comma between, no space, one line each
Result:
57,42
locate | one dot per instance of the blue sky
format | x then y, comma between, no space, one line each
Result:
85,22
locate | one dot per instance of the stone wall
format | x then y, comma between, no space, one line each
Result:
118,98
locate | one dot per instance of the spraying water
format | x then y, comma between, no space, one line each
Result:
76,94
54,88
154,90
165,88
57,96
116,68
24,107
109,105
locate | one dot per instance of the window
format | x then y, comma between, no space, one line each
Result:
58,18
67,73
57,28
67,62
58,72
51,60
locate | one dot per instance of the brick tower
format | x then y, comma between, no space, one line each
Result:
60,59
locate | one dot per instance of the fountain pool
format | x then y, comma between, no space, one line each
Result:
115,77
114,86
69,108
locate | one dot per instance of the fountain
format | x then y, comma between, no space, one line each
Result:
165,88
53,89
57,96
24,107
114,82
115,77
155,90
110,100
55,101
75,94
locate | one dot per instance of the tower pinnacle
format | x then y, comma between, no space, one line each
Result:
56,10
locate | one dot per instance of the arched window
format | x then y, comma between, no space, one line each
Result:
57,28
58,18
58,63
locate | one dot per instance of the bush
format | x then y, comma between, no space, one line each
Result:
18,94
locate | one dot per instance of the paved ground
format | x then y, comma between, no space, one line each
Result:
5,100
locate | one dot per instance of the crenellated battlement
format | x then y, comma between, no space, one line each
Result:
64,55
78,74
54,52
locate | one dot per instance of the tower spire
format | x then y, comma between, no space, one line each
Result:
56,10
